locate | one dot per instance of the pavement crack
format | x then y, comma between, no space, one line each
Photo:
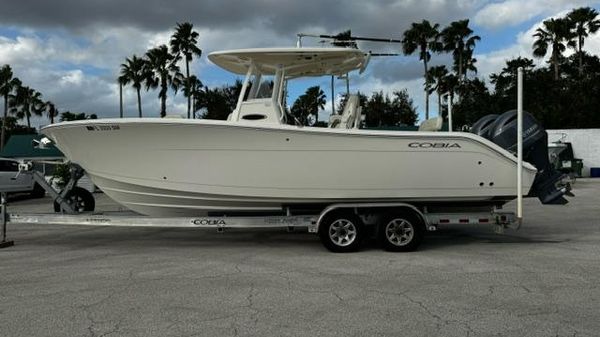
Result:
88,308
338,296
423,306
250,299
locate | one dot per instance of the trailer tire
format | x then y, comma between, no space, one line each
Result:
38,191
83,199
400,231
342,232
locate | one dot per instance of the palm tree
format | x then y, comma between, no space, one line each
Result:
555,33
184,42
25,103
436,76
162,71
450,83
506,79
458,39
192,88
134,71
8,84
469,63
308,104
52,111
423,37
318,99
583,23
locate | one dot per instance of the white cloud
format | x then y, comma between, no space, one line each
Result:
22,49
73,77
494,61
513,12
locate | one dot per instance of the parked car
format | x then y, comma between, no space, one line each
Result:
12,182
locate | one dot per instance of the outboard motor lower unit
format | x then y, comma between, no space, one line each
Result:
502,130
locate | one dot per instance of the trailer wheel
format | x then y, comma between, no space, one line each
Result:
341,232
400,231
81,198
38,191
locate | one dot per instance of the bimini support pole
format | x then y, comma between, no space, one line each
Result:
519,147
236,113
449,113
332,95
347,85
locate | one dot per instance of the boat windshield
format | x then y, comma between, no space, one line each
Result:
262,86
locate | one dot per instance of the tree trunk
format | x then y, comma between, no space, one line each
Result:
28,121
194,106
52,117
187,79
426,87
439,103
139,99
120,99
580,55
460,64
555,62
163,97
4,122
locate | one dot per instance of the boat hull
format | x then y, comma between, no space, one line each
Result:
190,167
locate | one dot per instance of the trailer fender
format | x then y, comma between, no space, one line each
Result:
357,206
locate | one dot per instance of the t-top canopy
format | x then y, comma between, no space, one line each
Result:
295,61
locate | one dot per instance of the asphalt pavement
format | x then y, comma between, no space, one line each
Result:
542,280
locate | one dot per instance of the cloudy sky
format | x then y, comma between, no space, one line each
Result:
70,50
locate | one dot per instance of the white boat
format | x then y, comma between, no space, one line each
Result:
256,162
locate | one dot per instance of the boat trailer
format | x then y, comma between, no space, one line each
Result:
341,226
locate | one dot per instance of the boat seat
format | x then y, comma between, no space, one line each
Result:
432,124
350,117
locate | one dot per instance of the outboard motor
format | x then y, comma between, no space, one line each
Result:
483,125
502,130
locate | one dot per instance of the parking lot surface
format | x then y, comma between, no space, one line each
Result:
542,280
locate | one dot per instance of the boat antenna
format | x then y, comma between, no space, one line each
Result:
349,38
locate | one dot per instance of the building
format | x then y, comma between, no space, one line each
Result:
585,142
